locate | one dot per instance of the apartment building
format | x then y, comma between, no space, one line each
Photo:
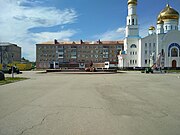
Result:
9,53
55,54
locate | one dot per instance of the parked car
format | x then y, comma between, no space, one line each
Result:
148,70
15,70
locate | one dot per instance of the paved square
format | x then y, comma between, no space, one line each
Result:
97,104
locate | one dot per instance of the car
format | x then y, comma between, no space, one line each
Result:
148,70
15,70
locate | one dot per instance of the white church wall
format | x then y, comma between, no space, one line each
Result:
170,25
140,54
169,39
148,45
132,52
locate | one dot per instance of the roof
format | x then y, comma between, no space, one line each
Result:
6,44
168,13
151,28
81,42
134,2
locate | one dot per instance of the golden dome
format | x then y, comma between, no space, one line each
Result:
160,22
132,2
152,28
168,13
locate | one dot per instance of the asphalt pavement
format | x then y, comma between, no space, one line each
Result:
128,103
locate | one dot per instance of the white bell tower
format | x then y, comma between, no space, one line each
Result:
132,39
132,19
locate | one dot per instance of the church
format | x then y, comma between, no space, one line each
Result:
160,49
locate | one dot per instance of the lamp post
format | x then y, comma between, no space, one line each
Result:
1,55
12,70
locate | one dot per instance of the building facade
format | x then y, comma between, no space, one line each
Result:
160,49
76,54
9,53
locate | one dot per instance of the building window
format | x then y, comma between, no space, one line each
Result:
105,52
174,52
135,61
135,53
118,47
133,46
130,61
129,21
146,52
145,61
162,51
145,45
132,21
130,53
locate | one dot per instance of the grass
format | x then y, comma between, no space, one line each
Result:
11,80
173,71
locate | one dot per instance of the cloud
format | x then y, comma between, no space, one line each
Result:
18,16
117,34
47,36
29,2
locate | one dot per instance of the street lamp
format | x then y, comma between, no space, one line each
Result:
12,71
1,55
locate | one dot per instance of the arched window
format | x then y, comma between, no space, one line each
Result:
132,21
133,46
166,27
174,52
173,45
129,21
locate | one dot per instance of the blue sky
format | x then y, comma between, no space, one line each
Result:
27,22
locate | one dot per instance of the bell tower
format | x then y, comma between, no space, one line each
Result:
132,20
132,39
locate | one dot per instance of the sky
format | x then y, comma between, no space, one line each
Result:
28,22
